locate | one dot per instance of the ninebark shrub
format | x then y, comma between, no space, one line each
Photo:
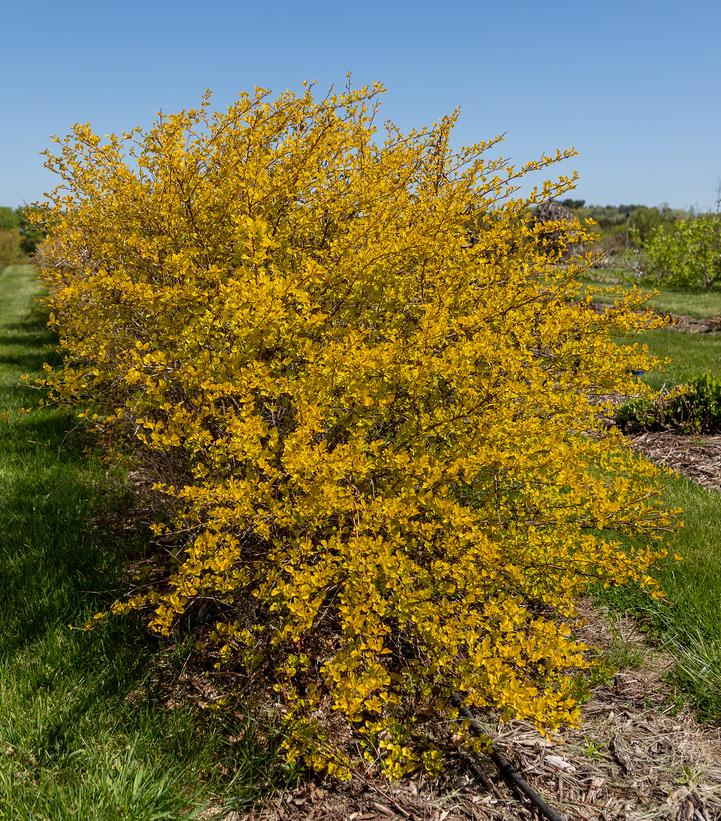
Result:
366,387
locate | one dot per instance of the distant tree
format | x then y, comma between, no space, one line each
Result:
9,218
10,252
573,204
30,234
643,221
619,226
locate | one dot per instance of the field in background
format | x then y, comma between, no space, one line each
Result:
697,303
690,355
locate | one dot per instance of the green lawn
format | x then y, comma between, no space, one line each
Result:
82,734
691,355
688,622
690,302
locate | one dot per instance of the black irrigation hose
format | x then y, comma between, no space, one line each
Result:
513,778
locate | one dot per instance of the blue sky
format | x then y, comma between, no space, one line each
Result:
635,86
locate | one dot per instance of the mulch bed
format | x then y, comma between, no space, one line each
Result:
696,457
636,756
694,325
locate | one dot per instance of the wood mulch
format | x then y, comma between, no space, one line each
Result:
694,325
677,322
696,457
636,757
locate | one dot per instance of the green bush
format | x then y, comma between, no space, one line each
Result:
9,218
372,429
695,409
31,235
10,251
686,254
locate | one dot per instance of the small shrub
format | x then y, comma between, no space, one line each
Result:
695,408
364,384
686,254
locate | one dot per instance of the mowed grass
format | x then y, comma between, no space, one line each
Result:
695,302
688,621
83,734
690,355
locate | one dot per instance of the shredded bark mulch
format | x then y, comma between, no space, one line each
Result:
696,457
637,756
694,325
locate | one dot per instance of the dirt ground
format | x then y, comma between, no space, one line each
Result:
696,457
638,755
677,322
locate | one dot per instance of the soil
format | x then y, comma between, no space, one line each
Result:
638,755
694,325
696,457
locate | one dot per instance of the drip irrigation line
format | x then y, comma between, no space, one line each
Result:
518,784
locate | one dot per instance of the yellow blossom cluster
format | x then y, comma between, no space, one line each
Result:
367,385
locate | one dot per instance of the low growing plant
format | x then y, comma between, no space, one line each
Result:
366,389
693,408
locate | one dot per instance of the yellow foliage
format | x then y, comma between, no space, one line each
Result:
367,385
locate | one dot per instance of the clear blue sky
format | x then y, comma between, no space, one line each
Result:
635,86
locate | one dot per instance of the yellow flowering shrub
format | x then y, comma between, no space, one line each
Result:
367,388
